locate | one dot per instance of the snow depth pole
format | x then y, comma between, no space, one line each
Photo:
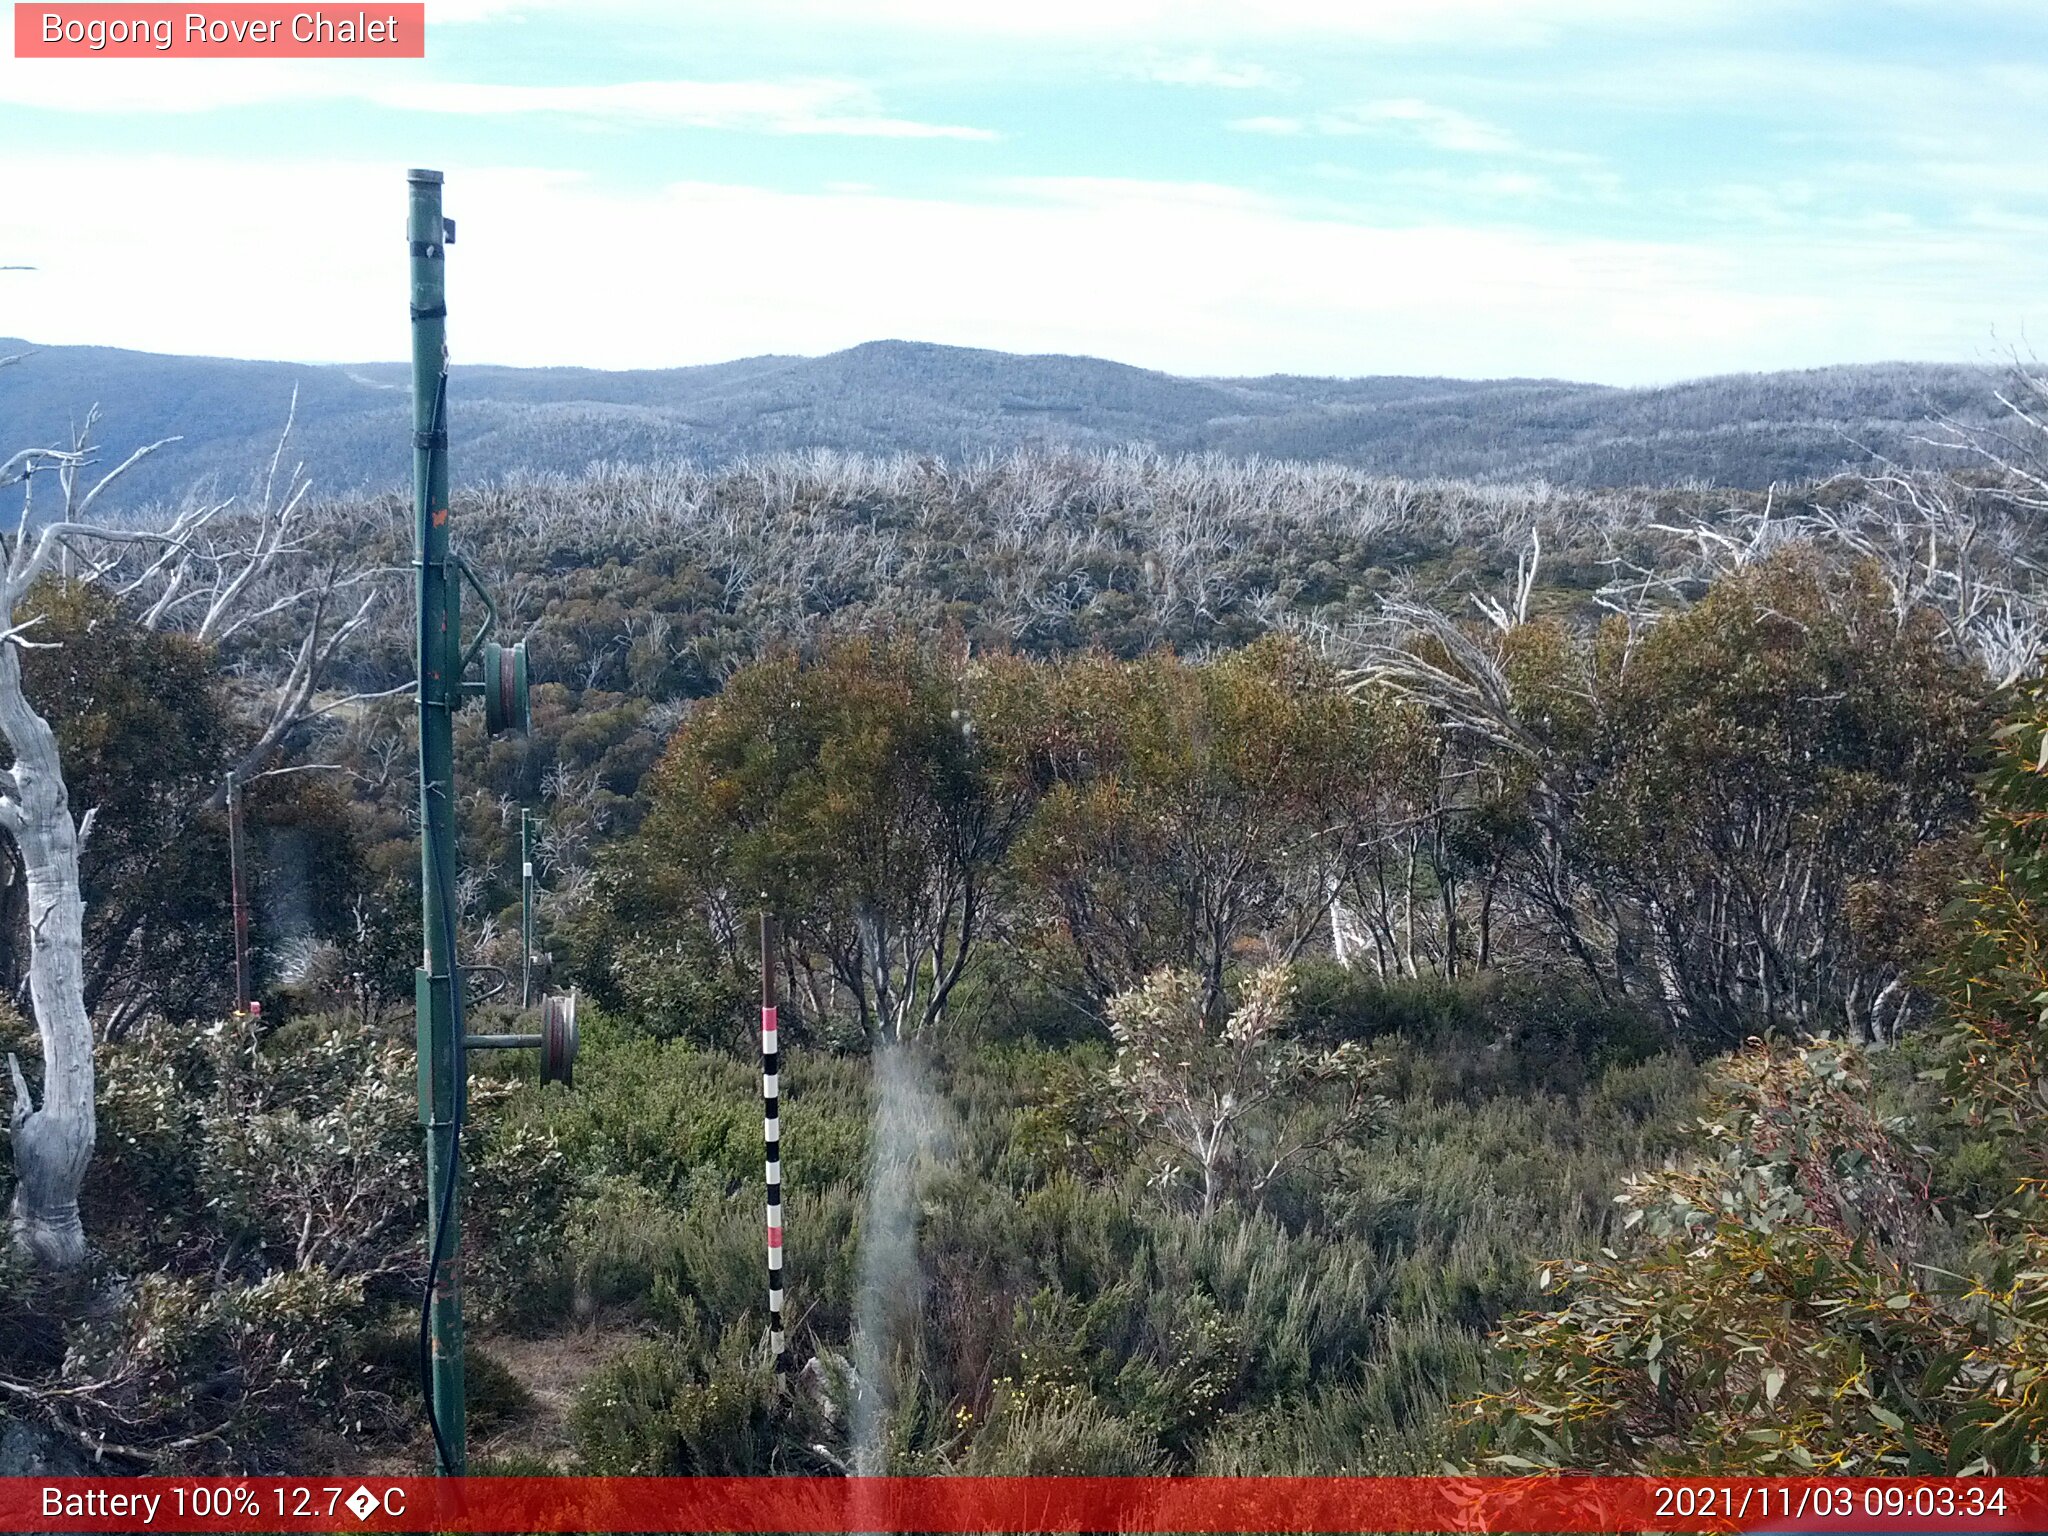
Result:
771,1129
437,987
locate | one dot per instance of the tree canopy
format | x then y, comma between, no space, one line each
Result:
1840,1281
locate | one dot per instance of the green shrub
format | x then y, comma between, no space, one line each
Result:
1977,1173
1059,1433
663,1409
621,1240
1334,1003
1775,1309
1021,996
1497,1033
269,1190
229,1375
668,981
1394,1420
671,1114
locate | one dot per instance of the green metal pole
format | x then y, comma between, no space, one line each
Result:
526,909
441,1069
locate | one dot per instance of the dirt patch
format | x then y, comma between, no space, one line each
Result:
552,1370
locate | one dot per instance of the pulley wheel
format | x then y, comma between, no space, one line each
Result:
558,1039
505,704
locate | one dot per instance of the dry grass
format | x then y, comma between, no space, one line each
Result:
552,1370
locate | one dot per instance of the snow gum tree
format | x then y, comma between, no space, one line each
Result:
53,1140
209,570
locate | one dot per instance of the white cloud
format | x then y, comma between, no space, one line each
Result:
1463,184
184,85
834,107
1483,23
1272,127
1436,127
463,11
1194,278
1205,69
799,107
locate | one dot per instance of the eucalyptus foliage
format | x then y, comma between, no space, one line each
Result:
1818,1288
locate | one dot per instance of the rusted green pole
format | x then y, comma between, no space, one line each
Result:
442,1072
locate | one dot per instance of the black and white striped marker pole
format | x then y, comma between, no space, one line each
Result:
771,1130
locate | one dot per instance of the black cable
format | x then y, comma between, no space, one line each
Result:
447,1208
437,1253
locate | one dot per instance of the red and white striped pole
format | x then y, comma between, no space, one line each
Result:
771,1129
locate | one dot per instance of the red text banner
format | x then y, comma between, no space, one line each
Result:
220,31
1053,1504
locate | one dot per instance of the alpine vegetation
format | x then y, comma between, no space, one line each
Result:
1279,969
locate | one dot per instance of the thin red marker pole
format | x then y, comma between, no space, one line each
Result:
241,901
771,1130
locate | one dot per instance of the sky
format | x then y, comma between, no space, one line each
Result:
1605,190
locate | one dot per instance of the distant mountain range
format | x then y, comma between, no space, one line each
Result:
1740,430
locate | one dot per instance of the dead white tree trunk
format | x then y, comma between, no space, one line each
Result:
53,1141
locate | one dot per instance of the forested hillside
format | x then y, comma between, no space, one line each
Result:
956,403
1284,967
